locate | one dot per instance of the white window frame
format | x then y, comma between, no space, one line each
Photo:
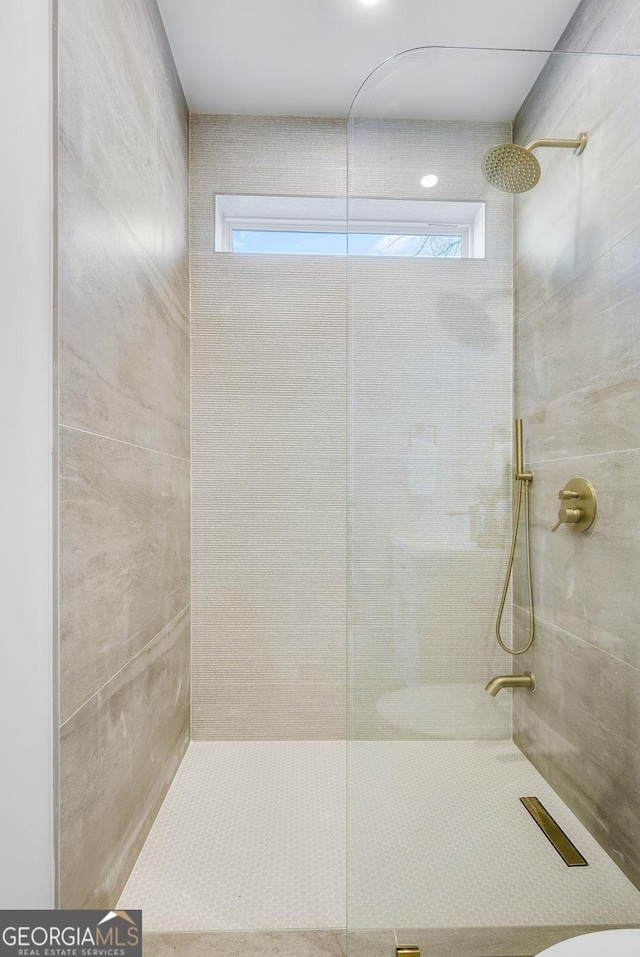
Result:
237,213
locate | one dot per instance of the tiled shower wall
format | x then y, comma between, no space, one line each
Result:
577,287
430,344
269,446
123,437
430,349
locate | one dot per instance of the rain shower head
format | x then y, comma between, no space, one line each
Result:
514,169
511,168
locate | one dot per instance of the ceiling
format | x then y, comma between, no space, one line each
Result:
309,57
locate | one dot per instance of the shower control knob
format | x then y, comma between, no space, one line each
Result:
579,492
569,516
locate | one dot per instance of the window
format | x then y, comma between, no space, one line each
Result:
299,225
355,244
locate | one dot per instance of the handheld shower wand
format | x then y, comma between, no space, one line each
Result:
521,475
523,480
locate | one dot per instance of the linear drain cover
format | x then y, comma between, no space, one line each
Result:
565,848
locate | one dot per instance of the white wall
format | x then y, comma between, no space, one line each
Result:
26,795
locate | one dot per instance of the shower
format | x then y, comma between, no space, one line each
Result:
524,480
514,169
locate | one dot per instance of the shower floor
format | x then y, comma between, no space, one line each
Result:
252,837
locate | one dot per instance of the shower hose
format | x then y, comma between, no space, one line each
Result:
516,523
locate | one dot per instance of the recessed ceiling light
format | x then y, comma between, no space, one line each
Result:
429,180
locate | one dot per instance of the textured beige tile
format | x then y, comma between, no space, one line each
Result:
121,104
237,612
581,730
310,943
264,155
269,480
325,577
291,709
251,658
124,343
304,350
382,480
116,765
270,390
419,290
241,559
276,380
282,528
280,288
124,556
389,157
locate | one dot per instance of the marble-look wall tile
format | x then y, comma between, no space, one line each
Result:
597,27
493,941
118,755
121,104
293,943
577,385
124,556
578,361
123,450
446,942
586,583
581,729
124,342
583,205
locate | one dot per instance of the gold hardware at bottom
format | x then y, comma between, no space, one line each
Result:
554,833
409,950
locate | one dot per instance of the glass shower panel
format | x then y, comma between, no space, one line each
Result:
430,471
430,422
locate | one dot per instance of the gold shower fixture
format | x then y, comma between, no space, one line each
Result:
523,482
514,169
579,505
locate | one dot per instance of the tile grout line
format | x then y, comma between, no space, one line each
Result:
585,641
586,455
132,445
126,664
588,267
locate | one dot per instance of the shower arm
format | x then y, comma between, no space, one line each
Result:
576,145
